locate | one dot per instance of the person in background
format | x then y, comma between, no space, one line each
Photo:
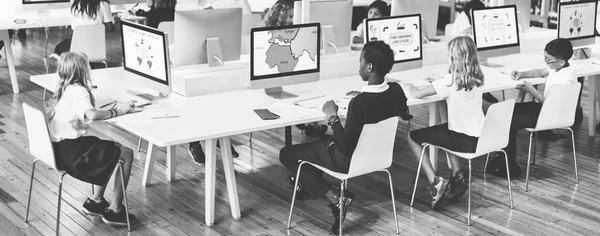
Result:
462,23
377,9
160,10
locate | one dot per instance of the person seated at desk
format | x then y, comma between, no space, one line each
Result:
462,89
378,101
87,158
160,10
462,23
87,12
559,71
377,9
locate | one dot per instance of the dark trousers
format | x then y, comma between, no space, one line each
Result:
525,116
323,153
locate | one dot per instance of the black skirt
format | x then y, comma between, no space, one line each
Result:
88,158
441,136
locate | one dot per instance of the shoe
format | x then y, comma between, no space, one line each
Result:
21,33
311,131
196,153
113,218
437,190
335,210
93,208
578,115
301,194
301,127
488,97
457,186
234,154
497,167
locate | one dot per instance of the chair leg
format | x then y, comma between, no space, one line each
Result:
44,95
574,155
412,200
30,187
469,202
508,180
342,189
528,163
60,181
120,167
503,96
486,162
294,195
393,200
139,144
448,161
535,138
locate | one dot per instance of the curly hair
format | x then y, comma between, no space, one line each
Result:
86,7
464,64
279,13
380,55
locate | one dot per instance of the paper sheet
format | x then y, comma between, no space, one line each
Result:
143,117
291,111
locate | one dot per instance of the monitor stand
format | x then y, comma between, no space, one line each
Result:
486,63
278,93
582,53
150,97
213,52
328,40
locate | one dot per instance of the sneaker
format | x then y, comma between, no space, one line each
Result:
234,154
196,153
93,208
458,185
301,194
335,211
437,190
488,97
113,218
497,167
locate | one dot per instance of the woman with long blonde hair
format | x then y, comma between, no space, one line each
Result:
87,158
463,93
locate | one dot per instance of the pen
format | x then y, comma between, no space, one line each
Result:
134,6
108,104
143,105
296,102
161,117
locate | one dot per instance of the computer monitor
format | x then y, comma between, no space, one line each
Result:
427,8
577,22
146,57
207,36
403,34
43,5
335,17
284,55
495,31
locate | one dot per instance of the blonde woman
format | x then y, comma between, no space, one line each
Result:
462,90
87,158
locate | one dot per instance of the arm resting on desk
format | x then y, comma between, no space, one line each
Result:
421,93
534,73
93,114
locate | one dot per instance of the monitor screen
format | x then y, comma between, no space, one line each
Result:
145,52
284,51
495,27
577,20
402,33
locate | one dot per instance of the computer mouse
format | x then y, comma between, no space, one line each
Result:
20,21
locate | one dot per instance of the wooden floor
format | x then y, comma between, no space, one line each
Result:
555,205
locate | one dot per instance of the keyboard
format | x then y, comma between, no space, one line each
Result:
125,98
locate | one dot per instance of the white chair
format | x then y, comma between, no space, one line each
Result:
558,112
374,152
493,138
40,147
169,28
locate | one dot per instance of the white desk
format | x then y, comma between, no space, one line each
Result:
585,69
231,114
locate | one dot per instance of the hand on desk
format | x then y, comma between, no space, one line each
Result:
515,75
525,86
352,94
330,108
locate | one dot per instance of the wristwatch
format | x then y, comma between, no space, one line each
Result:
332,119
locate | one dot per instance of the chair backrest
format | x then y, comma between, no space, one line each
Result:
375,148
559,107
496,127
169,27
40,145
90,39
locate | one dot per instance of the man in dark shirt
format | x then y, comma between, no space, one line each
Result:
378,101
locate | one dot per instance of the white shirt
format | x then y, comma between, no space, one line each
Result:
69,120
104,15
376,88
461,23
360,31
565,75
464,107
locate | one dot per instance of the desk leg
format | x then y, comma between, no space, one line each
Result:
210,180
433,120
11,60
230,177
171,163
150,153
288,136
592,104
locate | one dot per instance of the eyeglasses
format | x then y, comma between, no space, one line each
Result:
550,62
